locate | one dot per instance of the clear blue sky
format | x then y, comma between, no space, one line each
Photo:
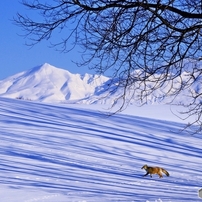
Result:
16,57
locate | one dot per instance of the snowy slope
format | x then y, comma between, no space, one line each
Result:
64,153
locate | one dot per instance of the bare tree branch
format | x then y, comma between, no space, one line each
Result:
144,42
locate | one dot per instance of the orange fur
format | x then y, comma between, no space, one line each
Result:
155,170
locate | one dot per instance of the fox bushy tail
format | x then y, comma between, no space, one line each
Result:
165,171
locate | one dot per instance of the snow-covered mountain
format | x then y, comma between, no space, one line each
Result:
50,84
47,83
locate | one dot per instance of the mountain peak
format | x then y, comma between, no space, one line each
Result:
47,66
50,84
40,68
47,83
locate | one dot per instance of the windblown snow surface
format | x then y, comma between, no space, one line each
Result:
62,153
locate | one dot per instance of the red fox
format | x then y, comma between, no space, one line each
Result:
155,170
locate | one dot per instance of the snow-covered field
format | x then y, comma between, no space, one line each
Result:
62,153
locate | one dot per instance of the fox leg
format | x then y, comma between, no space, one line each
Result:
160,175
146,174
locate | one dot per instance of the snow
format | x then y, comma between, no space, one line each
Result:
59,145
46,83
49,84
75,153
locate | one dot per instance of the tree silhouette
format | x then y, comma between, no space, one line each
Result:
145,43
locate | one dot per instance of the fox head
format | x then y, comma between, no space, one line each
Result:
144,167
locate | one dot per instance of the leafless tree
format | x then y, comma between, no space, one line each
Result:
145,43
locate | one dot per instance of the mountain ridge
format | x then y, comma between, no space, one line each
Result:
47,83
